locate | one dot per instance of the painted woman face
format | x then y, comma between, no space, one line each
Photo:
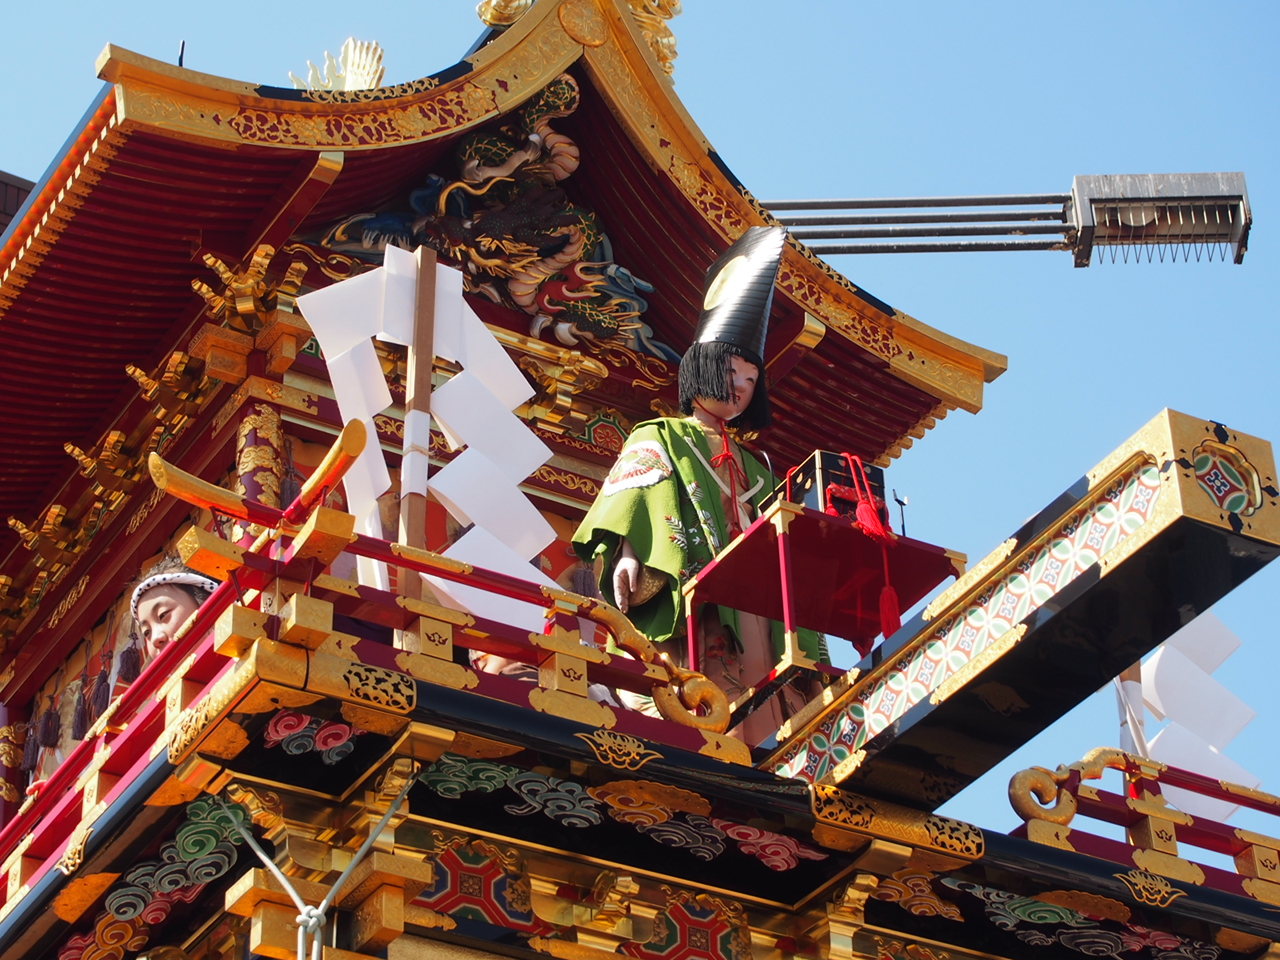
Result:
161,612
743,376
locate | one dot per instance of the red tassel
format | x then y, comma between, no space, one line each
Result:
890,609
890,616
865,513
869,520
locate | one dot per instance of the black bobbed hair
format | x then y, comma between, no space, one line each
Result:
704,372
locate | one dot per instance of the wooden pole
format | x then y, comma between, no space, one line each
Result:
417,408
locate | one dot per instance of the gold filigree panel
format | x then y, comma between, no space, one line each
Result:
845,820
350,126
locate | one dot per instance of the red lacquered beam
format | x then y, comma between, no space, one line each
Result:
1121,853
437,565
1198,783
52,833
56,811
329,473
123,709
1206,834
1245,797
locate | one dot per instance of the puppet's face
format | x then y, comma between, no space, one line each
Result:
161,611
743,376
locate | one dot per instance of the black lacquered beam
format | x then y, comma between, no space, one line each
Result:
507,723
1078,871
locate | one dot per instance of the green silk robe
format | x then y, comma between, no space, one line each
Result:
662,497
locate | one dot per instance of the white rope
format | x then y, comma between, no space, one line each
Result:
311,920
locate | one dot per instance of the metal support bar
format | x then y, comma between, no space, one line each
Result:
981,216
998,200
952,246
942,230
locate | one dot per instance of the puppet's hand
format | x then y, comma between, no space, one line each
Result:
626,576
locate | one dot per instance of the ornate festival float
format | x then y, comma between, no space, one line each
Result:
367,386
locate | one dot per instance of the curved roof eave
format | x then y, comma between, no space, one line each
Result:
497,78
643,97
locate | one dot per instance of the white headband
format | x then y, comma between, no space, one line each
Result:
182,577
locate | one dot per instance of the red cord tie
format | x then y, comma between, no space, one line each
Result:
737,474
870,522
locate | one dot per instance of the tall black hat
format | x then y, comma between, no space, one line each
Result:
738,292
737,297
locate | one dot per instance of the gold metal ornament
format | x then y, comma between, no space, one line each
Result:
618,750
1150,888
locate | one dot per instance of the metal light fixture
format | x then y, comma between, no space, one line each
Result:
1165,215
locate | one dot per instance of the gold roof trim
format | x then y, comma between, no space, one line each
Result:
171,100
641,95
544,42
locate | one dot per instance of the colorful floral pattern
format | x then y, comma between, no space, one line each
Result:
695,927
1227,476
480,881
665,814
1086,536
298,733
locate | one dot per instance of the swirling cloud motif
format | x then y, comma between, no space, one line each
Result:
1060,925
283,725
299,743
1008,910
643,803
774,850
298,734
212,865
202,850
332,734
125,903
565,802
157,911
1136,937
913,891
452,775
1092,943
689,832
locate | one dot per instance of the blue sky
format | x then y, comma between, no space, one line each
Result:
810,99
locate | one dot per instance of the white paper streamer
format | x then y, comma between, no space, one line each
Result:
1179,747
1174,687
467,408
343,314
475,491
1206,641
473,409
482,549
